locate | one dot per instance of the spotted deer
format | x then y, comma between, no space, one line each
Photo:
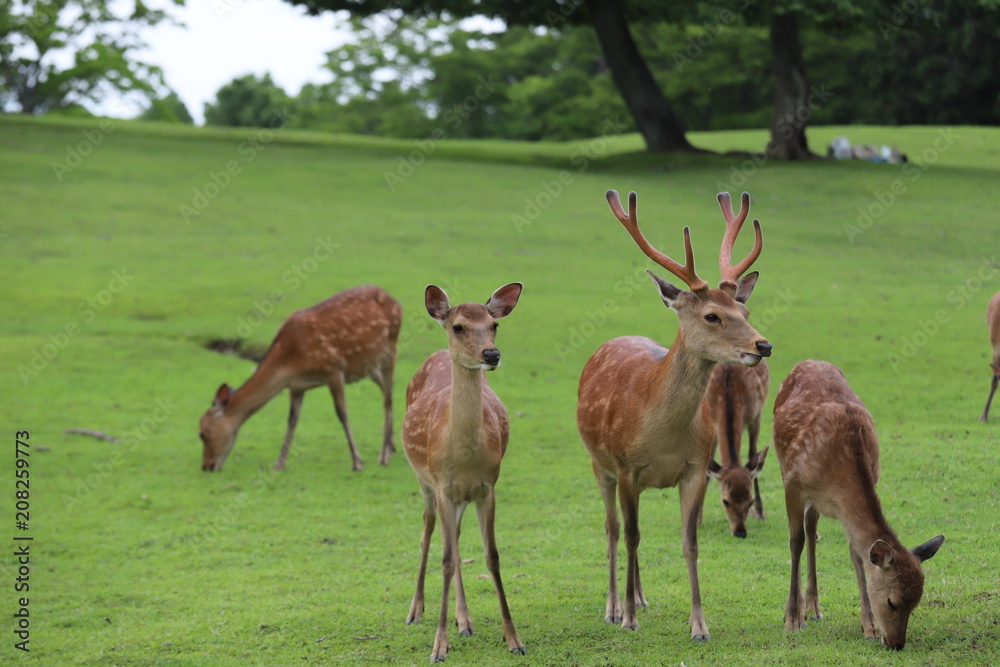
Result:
736,397
455,434
829,456
350,336
642,412
993,322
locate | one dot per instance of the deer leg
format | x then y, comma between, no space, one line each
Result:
417,606
640,598
462,618
628,496
607,485
293,419
795,615
384,381
867,617
487,523
448,513
753,431
336,384
812,591
692,495
986,410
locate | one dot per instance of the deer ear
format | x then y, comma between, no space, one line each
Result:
714,470
756,463
437,304
668,291
744,288
503,300
881,555
927,550
222,396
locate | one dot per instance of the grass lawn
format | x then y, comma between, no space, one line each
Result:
127,247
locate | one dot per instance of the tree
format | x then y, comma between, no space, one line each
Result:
654,115
102,37
169,109
247,101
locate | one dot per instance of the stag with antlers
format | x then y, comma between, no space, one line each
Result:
642,412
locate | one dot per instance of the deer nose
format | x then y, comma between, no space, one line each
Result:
897,646
740,533
491,357
764,348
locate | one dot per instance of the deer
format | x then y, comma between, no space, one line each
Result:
993,322
348,337
455,434
642,413
736,397
828,451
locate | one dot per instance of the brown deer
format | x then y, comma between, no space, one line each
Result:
455,434
829,455
993,322
736,397
350,336
642,412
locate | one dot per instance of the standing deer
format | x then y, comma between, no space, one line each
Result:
350,336
455,434
642,412
829,455
993,322
736,397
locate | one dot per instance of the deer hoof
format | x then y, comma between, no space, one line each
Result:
700,638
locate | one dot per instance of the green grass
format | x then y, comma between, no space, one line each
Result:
140,559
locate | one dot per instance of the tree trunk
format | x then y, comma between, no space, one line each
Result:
793,104
652,112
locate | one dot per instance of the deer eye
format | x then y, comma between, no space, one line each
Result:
725,502
458,328
496,325
888,601
712,317
201,435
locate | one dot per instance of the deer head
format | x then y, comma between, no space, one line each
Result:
736,485
713,321
895,586
217,432
472,328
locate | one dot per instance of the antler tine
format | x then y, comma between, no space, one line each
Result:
731,274
631,223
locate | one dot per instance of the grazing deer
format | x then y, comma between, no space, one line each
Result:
455,434
642,412
350,336
736,397
993,322
829,456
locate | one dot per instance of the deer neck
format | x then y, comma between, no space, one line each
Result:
864,522
465,406
262,386
679,381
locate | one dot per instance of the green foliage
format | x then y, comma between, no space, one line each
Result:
139,558
101,37
248,101
169,108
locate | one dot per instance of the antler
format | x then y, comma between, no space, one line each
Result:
731,274
631,223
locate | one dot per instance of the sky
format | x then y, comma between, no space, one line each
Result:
224,39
